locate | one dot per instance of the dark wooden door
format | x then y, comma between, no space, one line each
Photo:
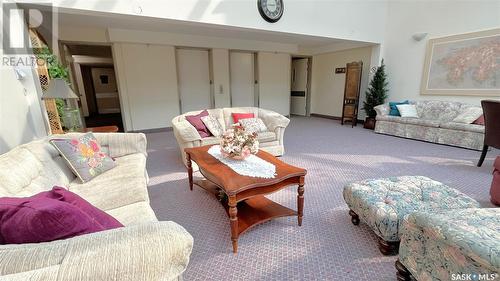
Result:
351,92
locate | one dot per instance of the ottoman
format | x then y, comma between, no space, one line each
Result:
383,204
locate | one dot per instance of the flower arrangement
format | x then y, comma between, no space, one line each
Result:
237,144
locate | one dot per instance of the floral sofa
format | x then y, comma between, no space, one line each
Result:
450,245
433,125
145,249
270,141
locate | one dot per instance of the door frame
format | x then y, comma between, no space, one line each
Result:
308,83
255,75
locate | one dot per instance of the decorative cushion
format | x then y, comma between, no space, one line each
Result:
394,110
469,115
407,110
195,120
213,125
480,120
84,156
384,203
253,125
47,216
101,217
238,116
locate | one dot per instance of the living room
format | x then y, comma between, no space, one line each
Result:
262,104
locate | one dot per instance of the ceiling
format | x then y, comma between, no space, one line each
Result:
191,28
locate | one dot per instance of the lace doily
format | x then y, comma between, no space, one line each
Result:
252,166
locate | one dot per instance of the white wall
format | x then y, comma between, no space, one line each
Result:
147,82
274,81
404,57
21,118
327,88
353,20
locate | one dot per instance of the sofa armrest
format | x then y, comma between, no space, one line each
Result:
152,251
273,120
185,131
382,109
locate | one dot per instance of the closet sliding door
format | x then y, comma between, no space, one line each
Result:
193,70
242,79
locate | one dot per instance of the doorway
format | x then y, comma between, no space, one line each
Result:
300,86
193,70
242,79
94,78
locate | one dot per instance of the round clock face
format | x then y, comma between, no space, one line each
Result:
270,10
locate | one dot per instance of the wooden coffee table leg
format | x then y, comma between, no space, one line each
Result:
233,218
300,200
190,170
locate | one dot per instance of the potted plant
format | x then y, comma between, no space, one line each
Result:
375,95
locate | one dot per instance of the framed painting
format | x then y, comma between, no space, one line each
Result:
465,64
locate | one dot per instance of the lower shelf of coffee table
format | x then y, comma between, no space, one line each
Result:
252,211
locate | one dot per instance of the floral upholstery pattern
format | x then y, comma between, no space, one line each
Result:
434,125
253,125
384,203
84,156
434,246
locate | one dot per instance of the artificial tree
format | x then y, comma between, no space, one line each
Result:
375,95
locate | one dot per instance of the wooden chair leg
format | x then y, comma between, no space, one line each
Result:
483,155
402,273
354,217
388,248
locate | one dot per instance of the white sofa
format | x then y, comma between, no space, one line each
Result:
270,141
433,125
145,249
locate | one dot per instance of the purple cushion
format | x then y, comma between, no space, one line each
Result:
101,217
195,120
46,216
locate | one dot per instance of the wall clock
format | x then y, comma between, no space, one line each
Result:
270,10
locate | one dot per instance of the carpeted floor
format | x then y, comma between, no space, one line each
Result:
327,246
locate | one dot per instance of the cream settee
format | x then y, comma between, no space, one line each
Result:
145,249
270,141
433,125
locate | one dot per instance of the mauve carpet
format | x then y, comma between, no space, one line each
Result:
327,246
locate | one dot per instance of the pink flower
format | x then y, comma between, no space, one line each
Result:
74,142
93,163
93,144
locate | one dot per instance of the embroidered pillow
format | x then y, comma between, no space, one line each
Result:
195,120
394,109
407,110
253,125
469,115
238,116
213,125
84,156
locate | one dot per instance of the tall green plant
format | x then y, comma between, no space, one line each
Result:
377,92
55,70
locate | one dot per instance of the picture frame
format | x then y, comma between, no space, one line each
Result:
463,65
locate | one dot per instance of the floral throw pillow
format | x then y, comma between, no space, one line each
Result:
253,125
84,156
213,125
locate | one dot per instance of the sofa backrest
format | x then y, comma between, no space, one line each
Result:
443,111
32,168
224,115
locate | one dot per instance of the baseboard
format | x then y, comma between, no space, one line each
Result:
333,117
149,131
